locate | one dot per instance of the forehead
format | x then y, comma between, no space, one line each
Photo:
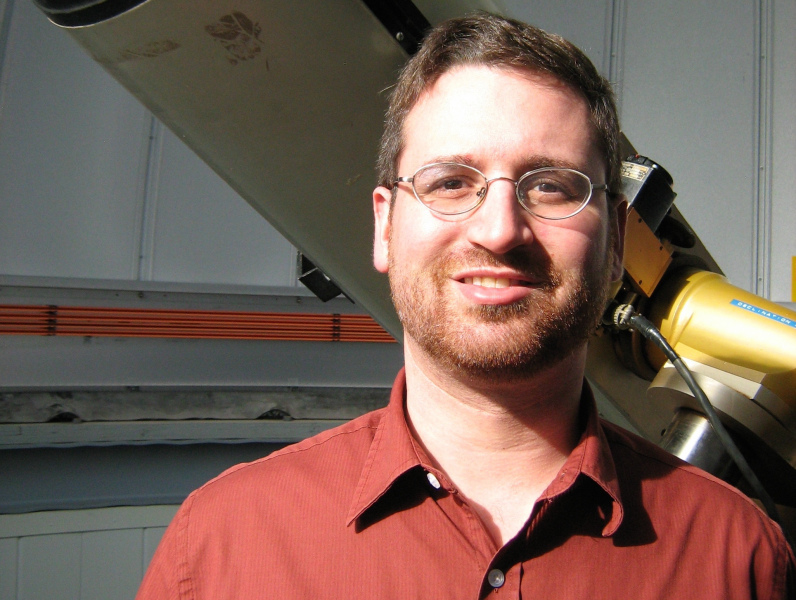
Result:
486,115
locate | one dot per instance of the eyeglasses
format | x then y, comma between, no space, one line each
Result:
454,189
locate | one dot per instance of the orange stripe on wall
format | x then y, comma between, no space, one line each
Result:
158,323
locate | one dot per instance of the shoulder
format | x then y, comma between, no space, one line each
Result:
684,516
274,495
677,495
335,454
280,500
639,459
689,514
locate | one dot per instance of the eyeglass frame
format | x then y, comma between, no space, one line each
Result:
516,182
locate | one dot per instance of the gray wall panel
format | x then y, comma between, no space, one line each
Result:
110,563
205,233
72,149
64,363
78,555
783,192
49,567
688,89
8,568
152,537
584,22
46,479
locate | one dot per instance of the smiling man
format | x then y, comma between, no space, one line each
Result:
499,266
500,225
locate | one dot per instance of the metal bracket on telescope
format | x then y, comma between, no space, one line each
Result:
316,280
403,20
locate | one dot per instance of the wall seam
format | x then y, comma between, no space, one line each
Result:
146,242
761,266
18,561
143,566
6,11
615,51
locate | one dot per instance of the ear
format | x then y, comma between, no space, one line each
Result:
382,198
618,250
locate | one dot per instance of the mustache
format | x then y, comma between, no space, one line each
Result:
537,267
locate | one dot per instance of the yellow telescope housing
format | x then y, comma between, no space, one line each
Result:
707,319
742,350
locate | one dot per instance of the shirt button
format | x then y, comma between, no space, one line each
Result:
496,578
432,479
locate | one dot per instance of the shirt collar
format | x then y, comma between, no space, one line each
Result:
393,452
591,458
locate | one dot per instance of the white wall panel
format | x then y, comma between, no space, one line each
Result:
64,363
72,149
583,22
152,537
111,562
783,235
689,90
203,232
49,567
73,363
8,568
78,555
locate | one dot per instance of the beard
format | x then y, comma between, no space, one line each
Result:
508,342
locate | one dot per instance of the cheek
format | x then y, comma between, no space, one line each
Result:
410,251
418,237
575,244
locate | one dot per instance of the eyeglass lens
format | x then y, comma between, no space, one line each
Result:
451,188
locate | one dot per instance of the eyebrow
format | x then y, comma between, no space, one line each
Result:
464,159
530,163
538,161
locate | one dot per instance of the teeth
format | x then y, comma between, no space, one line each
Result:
490,282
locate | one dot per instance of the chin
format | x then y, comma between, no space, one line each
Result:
508,343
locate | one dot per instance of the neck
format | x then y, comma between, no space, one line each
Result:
522,430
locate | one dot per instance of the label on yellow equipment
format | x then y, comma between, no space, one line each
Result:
764,313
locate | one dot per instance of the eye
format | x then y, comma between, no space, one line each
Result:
549,187
452,184
448,181
554,187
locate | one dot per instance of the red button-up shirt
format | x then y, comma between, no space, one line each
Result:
360,512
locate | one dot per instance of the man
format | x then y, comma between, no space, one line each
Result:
499,222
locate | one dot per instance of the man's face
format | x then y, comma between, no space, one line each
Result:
497,293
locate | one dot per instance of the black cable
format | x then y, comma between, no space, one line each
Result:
625,317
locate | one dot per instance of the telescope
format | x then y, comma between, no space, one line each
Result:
276,98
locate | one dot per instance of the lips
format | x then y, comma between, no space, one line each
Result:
493,282
494,288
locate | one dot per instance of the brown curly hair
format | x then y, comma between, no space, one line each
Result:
491,40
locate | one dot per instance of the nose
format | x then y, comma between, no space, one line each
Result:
500,223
